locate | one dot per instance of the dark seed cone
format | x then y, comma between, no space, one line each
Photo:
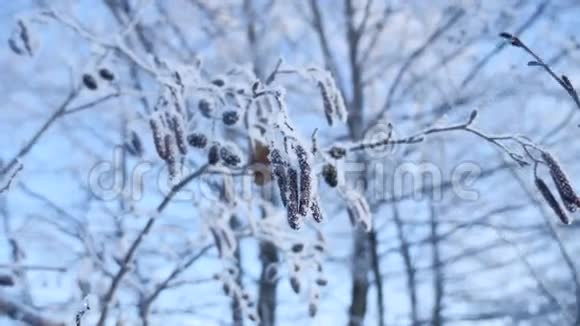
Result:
562,182
197,140
229,157
90,82
158,137
326,102
551,200
305,180
229,118
330,175
106,74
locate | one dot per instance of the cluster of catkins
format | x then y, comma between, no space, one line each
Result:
171,135
306,271
241,298
332,100
168,125
296,186
299,272
567,194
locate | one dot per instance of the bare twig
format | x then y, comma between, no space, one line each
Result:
24,313
496,140
124,266
539,62
7,178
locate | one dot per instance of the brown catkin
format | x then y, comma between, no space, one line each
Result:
326,102
158,137
179,132
562,182
171,160
341,112
279,172
316,212
305,180
292,209
551,200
